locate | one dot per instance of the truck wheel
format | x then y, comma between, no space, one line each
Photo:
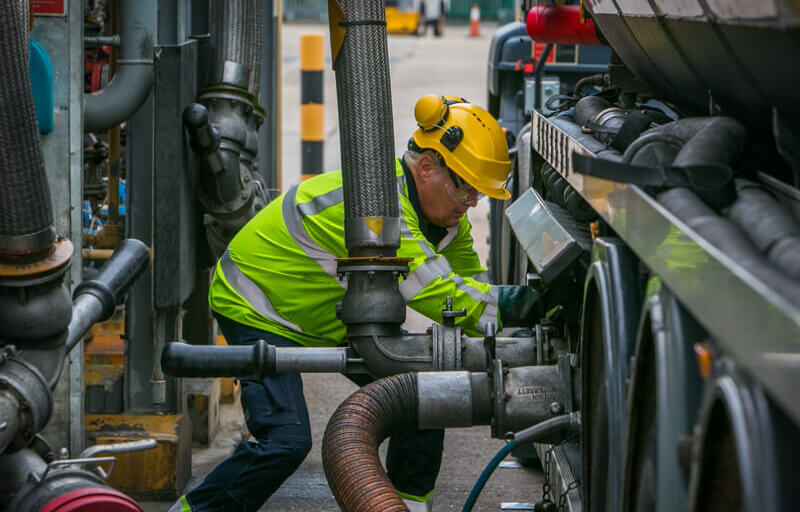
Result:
646,494
595,438
644,435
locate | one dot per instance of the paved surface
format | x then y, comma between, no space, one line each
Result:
454,64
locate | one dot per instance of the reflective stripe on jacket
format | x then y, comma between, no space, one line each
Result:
279,272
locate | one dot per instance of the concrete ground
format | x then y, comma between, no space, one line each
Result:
455,65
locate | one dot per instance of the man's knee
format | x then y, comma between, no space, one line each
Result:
297,449
290,443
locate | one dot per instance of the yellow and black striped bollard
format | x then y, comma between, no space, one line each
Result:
312,113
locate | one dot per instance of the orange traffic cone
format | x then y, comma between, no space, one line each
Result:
475,20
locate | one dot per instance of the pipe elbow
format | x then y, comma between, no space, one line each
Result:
121,98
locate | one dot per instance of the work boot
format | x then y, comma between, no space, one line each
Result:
180,506
417,506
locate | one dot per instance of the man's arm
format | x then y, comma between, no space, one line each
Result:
432,278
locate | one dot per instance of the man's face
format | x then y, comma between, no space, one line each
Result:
444,198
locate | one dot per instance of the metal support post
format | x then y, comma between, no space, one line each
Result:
62,37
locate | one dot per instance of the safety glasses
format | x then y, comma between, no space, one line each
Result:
461,192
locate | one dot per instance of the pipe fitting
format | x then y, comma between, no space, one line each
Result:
23,388
410,401
131,84
35,312
372,304
223,132
453,399
379,356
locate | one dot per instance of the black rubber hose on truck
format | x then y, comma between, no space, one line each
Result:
770,226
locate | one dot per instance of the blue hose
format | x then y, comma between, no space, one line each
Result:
487,472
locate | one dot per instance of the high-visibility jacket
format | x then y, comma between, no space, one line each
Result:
279,272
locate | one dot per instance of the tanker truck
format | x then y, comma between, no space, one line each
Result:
655,205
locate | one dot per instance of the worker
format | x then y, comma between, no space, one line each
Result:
277,282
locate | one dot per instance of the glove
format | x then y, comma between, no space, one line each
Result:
519,305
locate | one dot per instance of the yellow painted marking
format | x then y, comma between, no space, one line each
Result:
375,224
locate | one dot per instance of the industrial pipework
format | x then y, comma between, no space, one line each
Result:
37,316
407,402
223,125
35,306
372,305
128,90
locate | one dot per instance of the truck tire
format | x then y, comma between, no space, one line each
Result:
642,440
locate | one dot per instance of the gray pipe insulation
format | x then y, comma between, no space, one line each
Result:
128,90
364,100
26,216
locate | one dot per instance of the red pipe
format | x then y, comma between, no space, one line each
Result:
560,25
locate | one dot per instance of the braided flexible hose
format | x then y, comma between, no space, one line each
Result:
25,207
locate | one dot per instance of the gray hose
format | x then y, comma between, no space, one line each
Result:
129,88
237,38
26,215
365,119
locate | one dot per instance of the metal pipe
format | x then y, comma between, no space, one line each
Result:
259,360
538,70
96,254
112,41
123,96
547,428
379,356
453,399
131,446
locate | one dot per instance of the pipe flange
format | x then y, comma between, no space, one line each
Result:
373,264
36,272
498,400
32,392
209,97
446,348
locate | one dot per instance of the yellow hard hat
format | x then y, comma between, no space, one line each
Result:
468,138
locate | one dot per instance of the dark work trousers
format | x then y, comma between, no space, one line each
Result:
277,417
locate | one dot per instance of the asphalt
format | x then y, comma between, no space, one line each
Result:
454,65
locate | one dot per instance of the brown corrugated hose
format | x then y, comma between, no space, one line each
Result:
353,435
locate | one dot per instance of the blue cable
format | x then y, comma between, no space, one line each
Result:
487,472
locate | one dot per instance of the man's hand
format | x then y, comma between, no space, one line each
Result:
519,305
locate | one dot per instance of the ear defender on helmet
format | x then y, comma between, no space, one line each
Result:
468,138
